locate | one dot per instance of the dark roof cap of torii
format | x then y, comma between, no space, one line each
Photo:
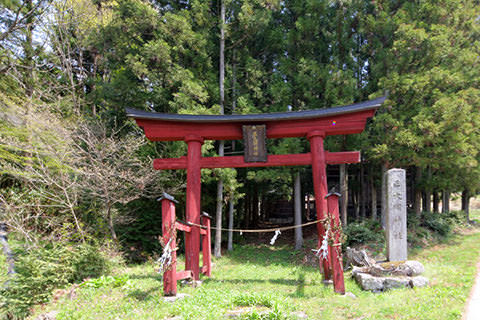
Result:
260,117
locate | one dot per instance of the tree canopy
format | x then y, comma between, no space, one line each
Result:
74,64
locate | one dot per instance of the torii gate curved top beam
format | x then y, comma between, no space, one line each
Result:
332,121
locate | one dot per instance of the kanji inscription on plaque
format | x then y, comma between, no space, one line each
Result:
255,145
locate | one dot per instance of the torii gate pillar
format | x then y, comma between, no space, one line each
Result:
192,239
320,188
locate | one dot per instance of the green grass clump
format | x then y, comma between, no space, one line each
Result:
106,281
253,299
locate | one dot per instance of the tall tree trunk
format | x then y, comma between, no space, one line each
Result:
363,193
246,209
428,201
256,209
428,192
110,224
230,225
356,204
218,234
436,202
417,204
28,51
373,191
466,203
446,201
231,206
344,193
424,201
384,194
298,212
218,220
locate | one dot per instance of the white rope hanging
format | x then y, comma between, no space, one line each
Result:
275,236
166,258
322,252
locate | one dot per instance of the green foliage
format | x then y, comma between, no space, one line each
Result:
437,223
106,281
427,66
363,232
433,227
41,270
139,238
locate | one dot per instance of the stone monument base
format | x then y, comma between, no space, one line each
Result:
384,276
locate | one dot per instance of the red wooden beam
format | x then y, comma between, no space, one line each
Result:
186,274
182,227
301,159
161,130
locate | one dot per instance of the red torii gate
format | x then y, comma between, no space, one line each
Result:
315,125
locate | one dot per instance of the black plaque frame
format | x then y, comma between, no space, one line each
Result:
254,138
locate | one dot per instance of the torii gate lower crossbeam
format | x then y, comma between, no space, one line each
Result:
315,125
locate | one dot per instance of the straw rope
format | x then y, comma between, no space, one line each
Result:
260,230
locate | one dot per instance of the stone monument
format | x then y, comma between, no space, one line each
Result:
396,215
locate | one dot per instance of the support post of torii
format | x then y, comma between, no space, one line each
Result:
192,239
320,188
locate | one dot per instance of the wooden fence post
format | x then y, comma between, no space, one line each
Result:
335,248
168,231
207,246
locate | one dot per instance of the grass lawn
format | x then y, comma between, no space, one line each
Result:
275,278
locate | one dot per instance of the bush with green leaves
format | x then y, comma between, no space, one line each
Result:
41,270
367,231
432,226
438,223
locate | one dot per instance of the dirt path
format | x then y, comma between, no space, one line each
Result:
472,310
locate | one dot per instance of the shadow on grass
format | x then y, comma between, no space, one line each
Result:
264,255
145,295
287,282
300,283
153,276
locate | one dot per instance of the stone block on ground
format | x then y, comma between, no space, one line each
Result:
191,282
418,282
175,298
416,267
350,295
369,282
395,282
